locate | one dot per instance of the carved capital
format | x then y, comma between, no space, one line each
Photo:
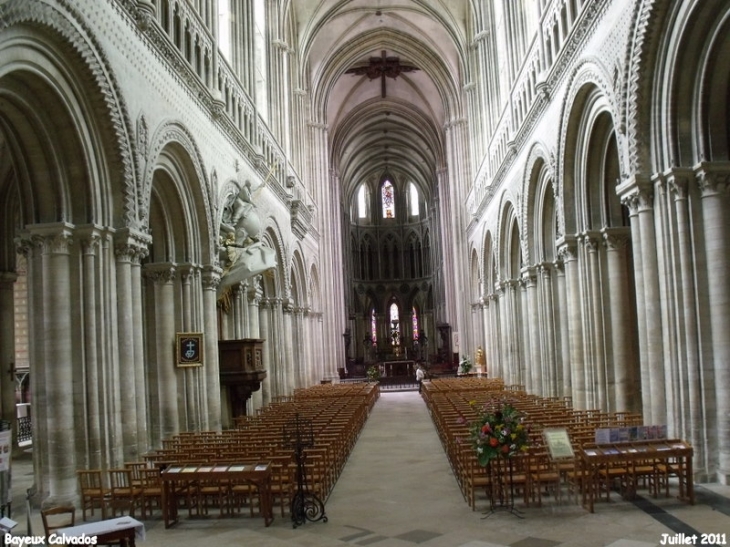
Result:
131,245
161,272
52,239
713,179
616,238
211,278
678,181
591,240
529,276
568,248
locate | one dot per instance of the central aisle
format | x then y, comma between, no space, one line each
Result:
398,472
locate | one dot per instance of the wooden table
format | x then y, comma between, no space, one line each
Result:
123,529
674,453
177,476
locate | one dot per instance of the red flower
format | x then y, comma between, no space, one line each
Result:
486,429
493,442
505,448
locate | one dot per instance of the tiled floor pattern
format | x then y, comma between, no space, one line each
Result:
397,490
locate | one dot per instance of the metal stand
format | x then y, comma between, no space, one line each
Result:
305,506
501,491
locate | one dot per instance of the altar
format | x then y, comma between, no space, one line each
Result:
398,368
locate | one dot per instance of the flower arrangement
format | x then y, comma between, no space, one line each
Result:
498,433
465,365
373,373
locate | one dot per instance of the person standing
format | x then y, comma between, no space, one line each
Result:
420,375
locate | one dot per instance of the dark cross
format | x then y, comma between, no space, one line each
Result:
382,67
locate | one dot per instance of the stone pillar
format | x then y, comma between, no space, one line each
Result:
497,352
505,363
129,248
597,361
191,411
292,379
678,181
212,408
624,392
546,320
163,276
632,203
265,330
639,196
55,369
522,332
563,336
7,350
532,326
254,329
93,387
486,334
567,248
713,182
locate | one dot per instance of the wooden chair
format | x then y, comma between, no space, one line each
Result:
544,475
136,469
55,518
150,490
282,482
123,494
93,493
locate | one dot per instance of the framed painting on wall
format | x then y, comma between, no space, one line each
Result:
189,349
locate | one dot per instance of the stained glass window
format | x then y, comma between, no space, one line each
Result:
414,315
395,325
373,328
388,200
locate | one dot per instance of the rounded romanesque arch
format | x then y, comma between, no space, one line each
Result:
68,204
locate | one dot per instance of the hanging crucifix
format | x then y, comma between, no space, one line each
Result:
382,67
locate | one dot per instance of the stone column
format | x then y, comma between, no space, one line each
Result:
563,336
633,205
7,350
567,248
678,181
254,329
522,332
485,334
532,324
624,392
163,276
56,367
93,387
546,319
713,182
497,359
212,408
592,242
129,247
505,367
639,195
292,379
191,412
265,330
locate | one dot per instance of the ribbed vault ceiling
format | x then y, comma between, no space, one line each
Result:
401,133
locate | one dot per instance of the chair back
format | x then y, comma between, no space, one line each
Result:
54,518
90,480
120,481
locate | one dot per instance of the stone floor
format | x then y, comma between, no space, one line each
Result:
397,490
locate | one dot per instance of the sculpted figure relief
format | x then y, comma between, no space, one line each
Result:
244,254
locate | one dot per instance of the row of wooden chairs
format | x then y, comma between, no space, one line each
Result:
337,414
453,403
